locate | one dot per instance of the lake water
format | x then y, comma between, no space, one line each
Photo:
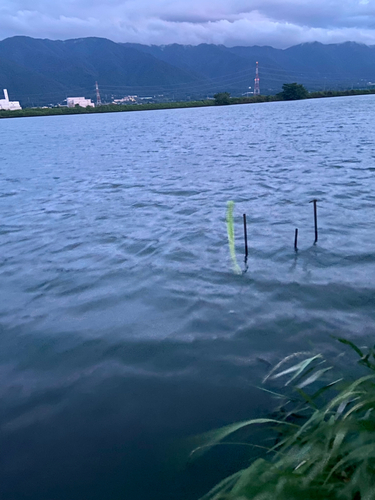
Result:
123,328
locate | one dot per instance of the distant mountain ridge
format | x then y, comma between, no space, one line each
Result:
39,72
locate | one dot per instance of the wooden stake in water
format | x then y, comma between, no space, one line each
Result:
315,221
295,240
245,234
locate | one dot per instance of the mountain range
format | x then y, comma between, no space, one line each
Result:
42,71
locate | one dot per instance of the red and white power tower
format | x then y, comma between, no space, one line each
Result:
98,100
256,84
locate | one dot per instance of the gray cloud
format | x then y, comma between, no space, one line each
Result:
229,22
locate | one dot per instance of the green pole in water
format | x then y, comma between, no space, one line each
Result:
230,229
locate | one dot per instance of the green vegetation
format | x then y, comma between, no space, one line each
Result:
324,437
291,91
107,108
230,230
222,98
340,93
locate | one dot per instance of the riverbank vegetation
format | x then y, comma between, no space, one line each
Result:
323,444
105,108
291,91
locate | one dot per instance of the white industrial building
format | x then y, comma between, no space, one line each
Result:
71,102
7,104
127,98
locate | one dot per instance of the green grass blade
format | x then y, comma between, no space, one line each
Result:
230,230
351,344
315,376
298,369
217,436
330,455
282,362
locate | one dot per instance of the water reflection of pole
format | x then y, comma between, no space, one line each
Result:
245,234
315,221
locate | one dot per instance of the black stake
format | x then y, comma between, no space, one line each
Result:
245,234
295,240
315,221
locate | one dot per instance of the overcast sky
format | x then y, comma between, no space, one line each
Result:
280,23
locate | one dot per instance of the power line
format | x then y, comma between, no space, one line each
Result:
270,76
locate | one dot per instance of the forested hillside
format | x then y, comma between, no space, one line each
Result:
40,72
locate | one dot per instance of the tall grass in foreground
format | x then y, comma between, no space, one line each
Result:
324,446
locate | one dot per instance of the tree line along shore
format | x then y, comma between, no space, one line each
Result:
291,91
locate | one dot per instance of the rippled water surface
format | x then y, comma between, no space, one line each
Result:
123,328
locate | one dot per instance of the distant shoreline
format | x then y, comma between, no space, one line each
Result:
115,108
105,108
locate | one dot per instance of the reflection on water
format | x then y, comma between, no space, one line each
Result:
123,328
